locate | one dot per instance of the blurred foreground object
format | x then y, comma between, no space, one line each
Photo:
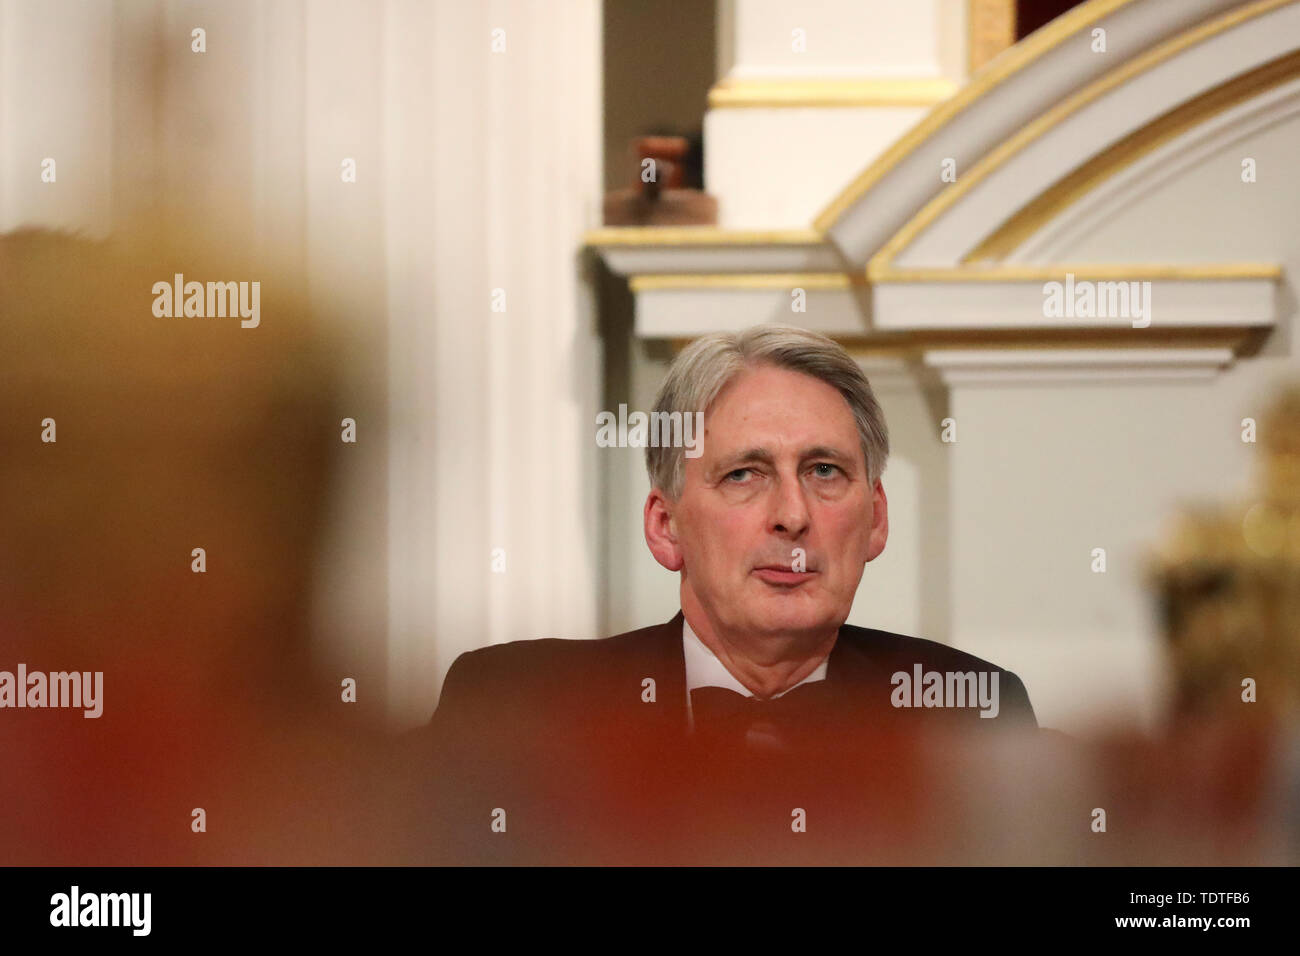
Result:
1228,581
132,438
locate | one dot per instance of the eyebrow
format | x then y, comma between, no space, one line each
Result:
766,457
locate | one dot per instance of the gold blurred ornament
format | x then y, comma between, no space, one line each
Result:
1228,584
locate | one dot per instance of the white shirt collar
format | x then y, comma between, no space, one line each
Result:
703,669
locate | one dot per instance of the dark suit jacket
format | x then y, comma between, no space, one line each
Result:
555,751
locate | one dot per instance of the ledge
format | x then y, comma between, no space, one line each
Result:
965,324
996,367
653,250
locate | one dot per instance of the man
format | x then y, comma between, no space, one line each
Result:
756,690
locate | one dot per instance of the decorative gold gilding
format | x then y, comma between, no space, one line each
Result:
913,344
820,92
1013,61
1101,272
1125,272
950,196
1084,179
699,236
1228,583
742,280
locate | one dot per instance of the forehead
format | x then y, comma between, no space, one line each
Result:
769,403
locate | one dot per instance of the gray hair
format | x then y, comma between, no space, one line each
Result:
708,364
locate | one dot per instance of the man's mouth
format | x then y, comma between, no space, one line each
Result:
783,576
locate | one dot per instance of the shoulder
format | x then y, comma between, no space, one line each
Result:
521,658
900,648
889,654
544,665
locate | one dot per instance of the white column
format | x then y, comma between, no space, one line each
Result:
843,39
493,164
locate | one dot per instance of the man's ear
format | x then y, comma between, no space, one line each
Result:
660,533
879,522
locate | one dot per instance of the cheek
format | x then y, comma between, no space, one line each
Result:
852,530
722,539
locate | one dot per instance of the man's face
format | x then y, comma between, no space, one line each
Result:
782,469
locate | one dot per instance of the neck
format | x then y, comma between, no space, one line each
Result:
767,663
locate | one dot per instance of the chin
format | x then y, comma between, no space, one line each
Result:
786,617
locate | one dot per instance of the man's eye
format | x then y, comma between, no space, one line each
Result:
828,474
738,471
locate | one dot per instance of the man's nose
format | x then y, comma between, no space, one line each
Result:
789,507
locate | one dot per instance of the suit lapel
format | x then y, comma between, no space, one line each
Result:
618,674
669,671
860,682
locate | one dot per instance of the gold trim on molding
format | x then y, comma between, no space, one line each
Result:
1105,272
699,236
1049,204
1057,114
1012,61
914,343
740,280
782,92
